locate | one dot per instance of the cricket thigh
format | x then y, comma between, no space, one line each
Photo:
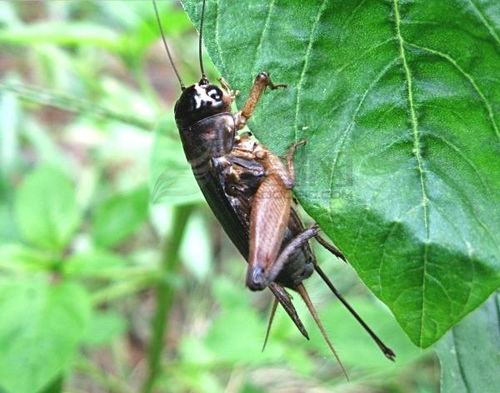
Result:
268,221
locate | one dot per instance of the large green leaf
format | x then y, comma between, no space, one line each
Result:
470,352
42,323
398,101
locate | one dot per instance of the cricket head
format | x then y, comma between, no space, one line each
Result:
200,101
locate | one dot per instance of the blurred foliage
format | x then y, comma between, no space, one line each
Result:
467,365
83,244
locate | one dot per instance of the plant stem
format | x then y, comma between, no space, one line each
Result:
125,288
72,104
164,293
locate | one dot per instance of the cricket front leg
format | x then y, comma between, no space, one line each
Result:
262,81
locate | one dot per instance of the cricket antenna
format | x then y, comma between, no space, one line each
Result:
204,80
166,46
388,352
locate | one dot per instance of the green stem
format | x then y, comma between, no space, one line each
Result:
123,289
72,104
164,294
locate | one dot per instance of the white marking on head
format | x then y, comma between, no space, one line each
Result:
198,100
202,98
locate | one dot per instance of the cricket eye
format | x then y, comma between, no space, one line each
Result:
215,94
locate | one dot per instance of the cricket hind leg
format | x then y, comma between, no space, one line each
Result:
388,352
307,300
282,296
292,246
295,244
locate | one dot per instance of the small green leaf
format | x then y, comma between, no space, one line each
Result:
236,336
237,333
398,102
119,216
470,352
42,324
17,257
46,208
197,259
172,180
104,327
9,231
94,263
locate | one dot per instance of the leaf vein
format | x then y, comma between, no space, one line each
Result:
417,151
465,198
463,158
263,32
459,362
468,77
321,10
443,288
484,21
469,253
363,54
382,257
374,198
353,14
349,127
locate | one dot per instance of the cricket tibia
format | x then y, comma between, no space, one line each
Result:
388,352
270,323
285,300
